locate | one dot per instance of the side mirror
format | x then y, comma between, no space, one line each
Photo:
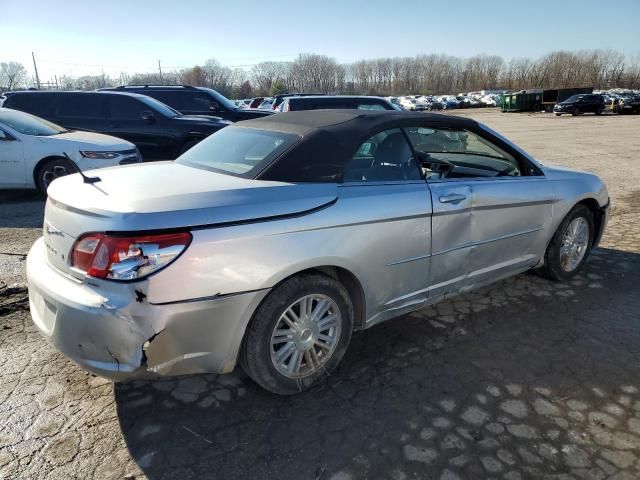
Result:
148,116
4,136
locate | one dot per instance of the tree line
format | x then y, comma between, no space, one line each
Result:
422,74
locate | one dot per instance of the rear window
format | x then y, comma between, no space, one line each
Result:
242,152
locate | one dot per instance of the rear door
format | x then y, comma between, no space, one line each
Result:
81,111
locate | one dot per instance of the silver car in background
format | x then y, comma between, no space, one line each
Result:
274,239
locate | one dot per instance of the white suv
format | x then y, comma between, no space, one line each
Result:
34,152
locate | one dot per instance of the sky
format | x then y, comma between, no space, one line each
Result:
89,37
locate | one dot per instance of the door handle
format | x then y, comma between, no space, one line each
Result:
453,198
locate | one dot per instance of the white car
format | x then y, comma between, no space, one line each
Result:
33,151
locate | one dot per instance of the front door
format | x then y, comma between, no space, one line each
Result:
12,169
489,210
150,137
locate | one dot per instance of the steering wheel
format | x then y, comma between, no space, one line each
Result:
509,171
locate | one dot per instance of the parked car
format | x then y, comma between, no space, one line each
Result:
255,102
626,104
278,99
434,105
276,238
190,100
266,105
33,151
158,131
336,102
579,104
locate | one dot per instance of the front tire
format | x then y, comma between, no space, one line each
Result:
50,170
576,112
570,246
299,334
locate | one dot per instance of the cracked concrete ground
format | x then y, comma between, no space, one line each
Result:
523,379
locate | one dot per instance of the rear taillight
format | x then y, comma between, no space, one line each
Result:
126,258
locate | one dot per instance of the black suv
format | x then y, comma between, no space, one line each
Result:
582,103
193,101
291,104
159,132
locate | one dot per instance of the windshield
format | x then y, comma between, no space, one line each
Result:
160,107
28,124
221,99
242,152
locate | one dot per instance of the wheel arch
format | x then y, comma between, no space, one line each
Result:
598,217
41,162
348,279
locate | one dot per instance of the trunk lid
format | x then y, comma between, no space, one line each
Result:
165,195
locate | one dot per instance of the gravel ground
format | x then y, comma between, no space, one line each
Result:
523,379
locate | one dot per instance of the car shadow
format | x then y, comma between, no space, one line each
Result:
526,376
21,209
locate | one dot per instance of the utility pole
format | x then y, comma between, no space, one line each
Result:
160,69
35,67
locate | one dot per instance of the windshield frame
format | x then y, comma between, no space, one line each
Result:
55,129
221,99
574,98
159,107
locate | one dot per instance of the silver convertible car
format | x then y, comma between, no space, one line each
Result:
274,239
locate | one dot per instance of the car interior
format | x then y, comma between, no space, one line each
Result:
441,153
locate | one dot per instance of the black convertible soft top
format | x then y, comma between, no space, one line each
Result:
354,123
329,138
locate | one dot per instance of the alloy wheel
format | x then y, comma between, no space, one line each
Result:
574,244
53,172
305,336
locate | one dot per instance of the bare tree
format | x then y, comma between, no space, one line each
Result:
12,75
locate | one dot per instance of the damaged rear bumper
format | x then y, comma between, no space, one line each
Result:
111,330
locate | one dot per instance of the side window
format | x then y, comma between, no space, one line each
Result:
168,98
450,153
385,156
125,108
36,103
371,106
82,105
200,101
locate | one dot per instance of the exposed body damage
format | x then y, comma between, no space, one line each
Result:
129,338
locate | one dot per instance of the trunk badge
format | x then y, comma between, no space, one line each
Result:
51,230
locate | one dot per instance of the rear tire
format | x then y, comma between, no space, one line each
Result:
286,350
50,170
599,110
564,259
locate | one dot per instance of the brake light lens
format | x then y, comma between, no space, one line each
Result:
126,258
